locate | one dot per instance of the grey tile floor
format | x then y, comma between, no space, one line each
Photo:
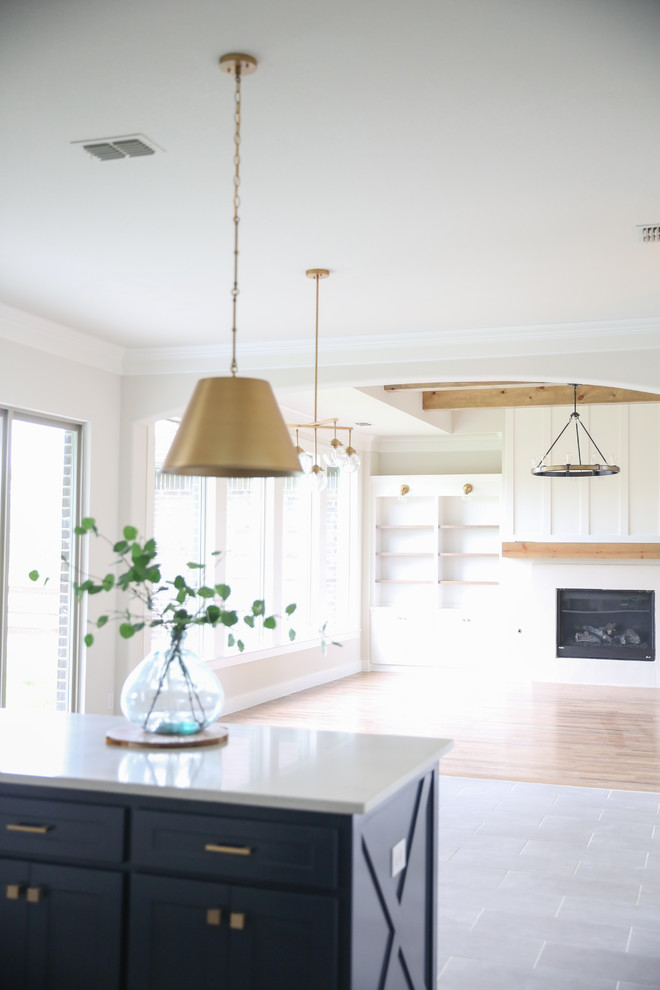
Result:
545,887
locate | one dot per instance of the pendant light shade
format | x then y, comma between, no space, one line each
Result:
232,428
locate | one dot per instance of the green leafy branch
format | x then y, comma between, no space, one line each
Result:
325,641
187,605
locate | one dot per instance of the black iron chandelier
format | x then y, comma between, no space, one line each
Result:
579,470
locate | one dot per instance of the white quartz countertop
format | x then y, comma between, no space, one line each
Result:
260,765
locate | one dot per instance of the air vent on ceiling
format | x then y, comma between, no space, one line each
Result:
112,149
650,232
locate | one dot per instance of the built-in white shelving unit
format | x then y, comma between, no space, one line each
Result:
436,551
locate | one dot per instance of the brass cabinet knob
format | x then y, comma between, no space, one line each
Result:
213,916
13,891
34,894
237,921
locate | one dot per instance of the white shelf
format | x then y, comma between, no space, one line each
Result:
402,581
469,526
386,553
443,581
429,527
452,554
435,537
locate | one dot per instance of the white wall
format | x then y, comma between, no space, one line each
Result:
614,507
38,382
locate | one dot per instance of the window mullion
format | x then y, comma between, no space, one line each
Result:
5,441
76,611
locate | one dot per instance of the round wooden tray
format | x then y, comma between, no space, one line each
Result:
136,738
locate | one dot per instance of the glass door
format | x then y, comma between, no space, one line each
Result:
40,480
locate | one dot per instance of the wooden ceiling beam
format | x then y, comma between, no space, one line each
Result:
535,395
425,386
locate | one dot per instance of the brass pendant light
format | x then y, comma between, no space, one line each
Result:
579,470
347,458
232,427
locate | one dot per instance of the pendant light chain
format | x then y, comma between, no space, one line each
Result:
237,202
316,353
316,369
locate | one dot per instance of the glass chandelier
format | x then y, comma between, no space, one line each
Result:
345,458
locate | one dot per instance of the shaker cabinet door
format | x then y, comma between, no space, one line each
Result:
283,941
179,932
60,927
14,880
192,933
74,929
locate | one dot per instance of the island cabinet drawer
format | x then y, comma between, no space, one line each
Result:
235,848
59,829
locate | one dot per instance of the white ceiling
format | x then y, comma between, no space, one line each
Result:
456,163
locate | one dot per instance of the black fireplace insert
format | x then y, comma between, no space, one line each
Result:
604,624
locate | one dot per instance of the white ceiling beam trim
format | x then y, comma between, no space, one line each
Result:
609,336
45,335
54,338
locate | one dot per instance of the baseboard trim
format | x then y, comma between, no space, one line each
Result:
259,697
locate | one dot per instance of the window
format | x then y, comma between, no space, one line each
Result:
277,541
39,506
297,550
178,526
244,553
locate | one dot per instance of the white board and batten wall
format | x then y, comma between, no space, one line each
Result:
509,629
623,508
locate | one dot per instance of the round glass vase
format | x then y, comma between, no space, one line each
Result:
172,692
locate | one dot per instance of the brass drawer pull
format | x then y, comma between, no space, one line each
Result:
237,921
230,850
13,891
34,895
213,916
32,829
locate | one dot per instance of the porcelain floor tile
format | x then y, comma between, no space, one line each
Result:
601,963
477,974
584,888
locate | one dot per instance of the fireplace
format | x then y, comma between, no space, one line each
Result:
604,624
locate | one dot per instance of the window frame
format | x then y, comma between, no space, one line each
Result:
8,415
276,642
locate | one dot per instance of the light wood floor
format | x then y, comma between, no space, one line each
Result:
548,733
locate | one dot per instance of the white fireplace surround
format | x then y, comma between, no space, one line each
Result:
529,618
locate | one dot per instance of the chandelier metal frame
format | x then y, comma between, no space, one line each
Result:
579,470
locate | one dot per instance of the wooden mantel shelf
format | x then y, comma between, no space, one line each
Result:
583,551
